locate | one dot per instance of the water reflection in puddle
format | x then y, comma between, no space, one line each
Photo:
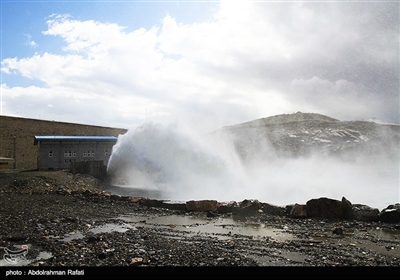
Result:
73,235
110,227
223,228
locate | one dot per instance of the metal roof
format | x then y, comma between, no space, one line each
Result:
74,139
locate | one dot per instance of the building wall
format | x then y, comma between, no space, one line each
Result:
17,137
61,155
6,165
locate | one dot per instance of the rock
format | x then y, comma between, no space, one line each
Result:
66,191
134,199
226,207
272,209
329,208
247,207
117,197
102,256
365,213
106,194
151,202
173,205
92,239
338,231
202,205
347,209
390,214
297,211
211,214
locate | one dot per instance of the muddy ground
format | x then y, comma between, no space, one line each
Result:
55,219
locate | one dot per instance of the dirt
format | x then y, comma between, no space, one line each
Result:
66,220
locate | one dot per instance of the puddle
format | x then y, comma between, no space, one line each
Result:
70,236
223,228
111,227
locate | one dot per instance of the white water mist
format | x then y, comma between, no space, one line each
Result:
185,165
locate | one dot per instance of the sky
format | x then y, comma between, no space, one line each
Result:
207,64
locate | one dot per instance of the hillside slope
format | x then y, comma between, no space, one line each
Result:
306,134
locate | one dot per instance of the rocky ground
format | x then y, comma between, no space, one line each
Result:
66,221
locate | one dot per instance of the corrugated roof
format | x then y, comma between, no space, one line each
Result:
49,138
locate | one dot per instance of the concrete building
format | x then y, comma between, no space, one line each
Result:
61,152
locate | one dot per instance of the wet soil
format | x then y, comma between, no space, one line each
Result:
62,221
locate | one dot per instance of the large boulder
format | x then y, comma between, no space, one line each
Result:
202,205
390,214
160,203
329,208
247,207
296,211
272,209
365,213
226,207
151,202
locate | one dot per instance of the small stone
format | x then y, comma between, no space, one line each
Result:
338,231
136,261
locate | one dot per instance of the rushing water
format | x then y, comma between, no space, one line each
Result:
167,162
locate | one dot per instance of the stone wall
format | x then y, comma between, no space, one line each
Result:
17,136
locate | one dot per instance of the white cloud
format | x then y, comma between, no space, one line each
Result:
341,99
250,60
30,42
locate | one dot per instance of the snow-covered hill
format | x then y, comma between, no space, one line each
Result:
306,134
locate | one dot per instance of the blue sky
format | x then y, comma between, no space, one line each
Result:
207,64
24,21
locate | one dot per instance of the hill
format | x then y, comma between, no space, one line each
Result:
306,134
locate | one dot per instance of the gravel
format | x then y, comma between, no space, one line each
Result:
66,221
